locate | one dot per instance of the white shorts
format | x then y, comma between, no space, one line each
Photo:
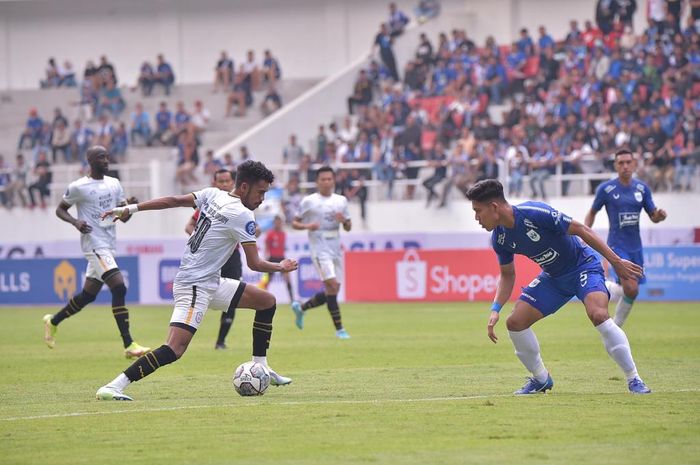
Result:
192,301
329,268
100,261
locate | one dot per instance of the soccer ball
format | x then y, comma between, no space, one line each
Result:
251,379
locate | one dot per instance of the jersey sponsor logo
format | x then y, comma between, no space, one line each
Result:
638,196
65,282
528,296
512,245
532,234
547,257
501,238
534,283
250,228
609,189
616,196
528,224
628,219
640,187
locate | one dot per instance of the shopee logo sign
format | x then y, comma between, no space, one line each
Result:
433,275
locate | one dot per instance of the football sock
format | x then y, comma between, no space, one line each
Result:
318,299
622,311
262,331
120,382
225,326
291,294
150,362
121,313
615,291
527,348
618,347
73,306
334,310
260,360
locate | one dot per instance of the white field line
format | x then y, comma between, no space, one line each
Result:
300,402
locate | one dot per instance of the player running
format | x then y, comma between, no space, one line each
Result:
226,218
569,268
91,195
223,179
623,199
322,214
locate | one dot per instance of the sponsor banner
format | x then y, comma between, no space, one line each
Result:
53,281
673,273
433,275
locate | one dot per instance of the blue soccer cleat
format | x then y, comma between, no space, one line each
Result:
342,334
296,308
533,386
637,386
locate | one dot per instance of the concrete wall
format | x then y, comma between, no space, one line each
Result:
313,38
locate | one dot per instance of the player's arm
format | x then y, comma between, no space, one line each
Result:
257,263
624,268
345,221
590,218
506,283
162,203
298,223
129,201
189,227
657,215
62,213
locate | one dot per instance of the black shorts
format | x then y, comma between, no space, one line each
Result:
233,268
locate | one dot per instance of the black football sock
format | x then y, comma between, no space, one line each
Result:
225,325
334,310
73,306
291,294
150,362
318,299
121,313
262,331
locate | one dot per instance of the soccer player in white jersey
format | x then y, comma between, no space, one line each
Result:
322,214
225,219
91,195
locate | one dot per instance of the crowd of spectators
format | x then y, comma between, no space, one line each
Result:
561,103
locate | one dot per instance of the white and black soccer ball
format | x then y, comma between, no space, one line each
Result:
251,379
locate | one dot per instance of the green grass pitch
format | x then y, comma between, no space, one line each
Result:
416,384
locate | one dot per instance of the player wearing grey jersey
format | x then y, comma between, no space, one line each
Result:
91,195
225,219
322,214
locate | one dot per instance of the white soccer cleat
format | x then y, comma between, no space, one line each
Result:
111,393
49,331
278,380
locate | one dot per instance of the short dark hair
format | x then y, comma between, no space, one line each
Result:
485,191
325,169
96,150
251,172
223,170
623,152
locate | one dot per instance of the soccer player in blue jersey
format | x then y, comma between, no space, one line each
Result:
623,199
569,268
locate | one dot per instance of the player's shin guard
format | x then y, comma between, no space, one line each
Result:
121,313
622,311
527,348
150,362
618,347
318,299
334,310
73,306
262,331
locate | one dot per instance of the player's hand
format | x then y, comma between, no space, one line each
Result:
625,269
132,200
339,217
289,264
83,227
659,215
493,320
313,226
118,213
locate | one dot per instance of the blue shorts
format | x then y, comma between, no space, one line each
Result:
548,294
635,257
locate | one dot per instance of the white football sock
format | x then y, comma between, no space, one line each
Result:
260,360
615,291
618,347
528,351
120,382
622,311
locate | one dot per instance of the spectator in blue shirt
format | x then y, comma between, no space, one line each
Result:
120,143
140,125
111,100
80,140
164,74
384,42
544,41
495,80
223,73
397,20
525,44
146,78
271,68
32,130
164,121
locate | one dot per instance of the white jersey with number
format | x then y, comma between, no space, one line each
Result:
223,222
92,197
316,208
